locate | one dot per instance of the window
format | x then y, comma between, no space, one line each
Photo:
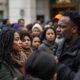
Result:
1,14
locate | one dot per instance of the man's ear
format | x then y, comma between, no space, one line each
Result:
74,29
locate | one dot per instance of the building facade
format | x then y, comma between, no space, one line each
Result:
31,10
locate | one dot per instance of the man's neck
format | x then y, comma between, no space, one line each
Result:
71,41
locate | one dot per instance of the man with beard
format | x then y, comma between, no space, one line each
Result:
69,52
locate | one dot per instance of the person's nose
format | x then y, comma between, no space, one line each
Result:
51,35
27,41
58,29
37,43
20,42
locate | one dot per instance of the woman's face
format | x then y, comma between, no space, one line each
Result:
36,42
50,35
17,42
36,31
26,43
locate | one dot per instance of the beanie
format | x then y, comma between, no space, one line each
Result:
37,26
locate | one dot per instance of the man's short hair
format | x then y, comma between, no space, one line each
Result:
74,17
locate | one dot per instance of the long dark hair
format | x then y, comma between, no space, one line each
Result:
6,42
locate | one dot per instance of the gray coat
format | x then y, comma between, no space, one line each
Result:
50,48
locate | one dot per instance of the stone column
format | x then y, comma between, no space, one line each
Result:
46,10
4,8
43,8
15,7
22,9
30,11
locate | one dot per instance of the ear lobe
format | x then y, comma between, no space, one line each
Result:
74,29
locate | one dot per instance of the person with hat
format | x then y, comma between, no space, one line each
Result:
36,29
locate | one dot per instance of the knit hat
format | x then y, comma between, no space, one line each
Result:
58,16
37,26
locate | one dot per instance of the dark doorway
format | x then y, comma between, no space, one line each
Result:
56,8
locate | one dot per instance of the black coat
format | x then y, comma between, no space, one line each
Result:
69,60
77,76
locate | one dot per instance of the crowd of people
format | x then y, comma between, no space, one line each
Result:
41,52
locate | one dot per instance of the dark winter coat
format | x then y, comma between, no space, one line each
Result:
50,48
8,72
69,60
77,76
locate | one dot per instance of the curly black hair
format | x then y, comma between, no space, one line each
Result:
23,34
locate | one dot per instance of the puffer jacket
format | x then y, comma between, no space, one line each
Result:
69,60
